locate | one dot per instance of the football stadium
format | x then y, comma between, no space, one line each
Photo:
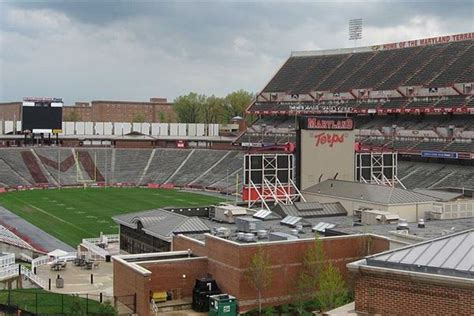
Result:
370,148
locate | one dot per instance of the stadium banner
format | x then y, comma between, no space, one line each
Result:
326,123
439,154
425,41
318,108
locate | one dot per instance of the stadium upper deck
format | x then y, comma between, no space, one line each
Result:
428,75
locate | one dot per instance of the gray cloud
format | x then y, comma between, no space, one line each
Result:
135,50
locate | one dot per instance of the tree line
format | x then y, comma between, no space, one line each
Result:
199,108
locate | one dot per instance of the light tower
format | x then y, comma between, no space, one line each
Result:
355,30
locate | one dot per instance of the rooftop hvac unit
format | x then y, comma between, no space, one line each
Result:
262,233
403,225
375,217
223,232
228,213
240,236
249,237
276,236
248,224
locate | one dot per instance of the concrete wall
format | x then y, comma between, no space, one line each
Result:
318,148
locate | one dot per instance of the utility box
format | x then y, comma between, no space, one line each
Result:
248,224
222,305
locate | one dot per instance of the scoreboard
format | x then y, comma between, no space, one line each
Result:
42,115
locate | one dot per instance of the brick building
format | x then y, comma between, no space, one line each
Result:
226,261
435,277
10,111
156,110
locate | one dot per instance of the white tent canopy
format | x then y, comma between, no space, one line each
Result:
57,253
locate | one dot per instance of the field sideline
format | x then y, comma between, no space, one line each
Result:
73,214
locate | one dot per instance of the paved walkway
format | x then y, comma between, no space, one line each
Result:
36,235
77,280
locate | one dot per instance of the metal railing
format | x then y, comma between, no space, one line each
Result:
40,261
7,260
94,250
10,271
33,277
112,238
18,270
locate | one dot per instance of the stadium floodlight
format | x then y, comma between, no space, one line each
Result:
355,29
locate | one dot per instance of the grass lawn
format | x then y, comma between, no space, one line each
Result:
73,214
46,303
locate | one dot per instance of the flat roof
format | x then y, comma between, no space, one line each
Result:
375,193
433,228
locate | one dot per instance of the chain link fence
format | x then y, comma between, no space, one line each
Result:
40,302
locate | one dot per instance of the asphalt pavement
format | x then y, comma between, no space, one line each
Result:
36,235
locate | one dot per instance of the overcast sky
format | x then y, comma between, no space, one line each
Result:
92,50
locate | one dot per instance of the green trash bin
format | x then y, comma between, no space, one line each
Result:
222,305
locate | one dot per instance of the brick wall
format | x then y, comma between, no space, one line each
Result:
129,282
377,294
286,259
122,111
10,111
182,242
166,275
177,274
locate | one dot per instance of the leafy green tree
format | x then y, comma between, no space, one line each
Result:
187,107
72,116
332,288
313,262
320,279
211,110
138,117
236,103
259,274
161,117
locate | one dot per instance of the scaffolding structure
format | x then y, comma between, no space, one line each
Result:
377,168
269,180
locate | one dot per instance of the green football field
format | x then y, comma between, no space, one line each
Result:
73,214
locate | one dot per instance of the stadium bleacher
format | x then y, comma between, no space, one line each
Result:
198,162
71,166
381,70
435,175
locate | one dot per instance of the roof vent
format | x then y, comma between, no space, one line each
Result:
262,233
240,236
294,232
402,224
421,223
249,237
